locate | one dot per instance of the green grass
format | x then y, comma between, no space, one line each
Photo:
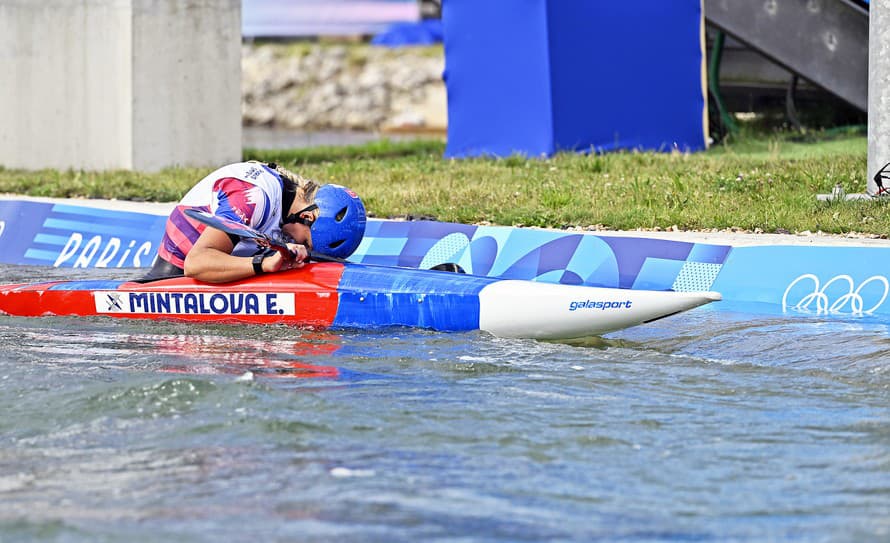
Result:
767,182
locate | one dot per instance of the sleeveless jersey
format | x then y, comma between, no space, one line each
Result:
247,192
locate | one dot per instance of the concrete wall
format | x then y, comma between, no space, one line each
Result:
119,84
878,91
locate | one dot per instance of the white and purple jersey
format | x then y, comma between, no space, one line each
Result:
247,192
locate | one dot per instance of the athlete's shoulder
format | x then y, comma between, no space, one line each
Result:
247,171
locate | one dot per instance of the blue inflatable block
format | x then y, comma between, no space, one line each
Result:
496,75
534,77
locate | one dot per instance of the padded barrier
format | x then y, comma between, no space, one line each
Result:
812,279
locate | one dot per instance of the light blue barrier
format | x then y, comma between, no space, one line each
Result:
72,236
812,280
798,279
544,255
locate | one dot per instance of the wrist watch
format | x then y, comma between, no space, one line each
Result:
258,263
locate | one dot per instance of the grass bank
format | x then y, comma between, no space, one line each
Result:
766,183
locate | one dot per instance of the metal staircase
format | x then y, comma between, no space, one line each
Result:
822,41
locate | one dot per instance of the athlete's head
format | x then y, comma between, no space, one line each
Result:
341,221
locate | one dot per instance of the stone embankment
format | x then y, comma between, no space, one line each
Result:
343,87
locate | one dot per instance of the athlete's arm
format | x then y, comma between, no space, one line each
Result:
210,259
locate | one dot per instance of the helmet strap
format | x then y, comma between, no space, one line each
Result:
288,191
297,217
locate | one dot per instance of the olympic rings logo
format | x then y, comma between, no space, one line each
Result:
850,302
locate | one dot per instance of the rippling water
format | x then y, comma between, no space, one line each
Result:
715,425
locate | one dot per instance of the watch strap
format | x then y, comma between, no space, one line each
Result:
258,263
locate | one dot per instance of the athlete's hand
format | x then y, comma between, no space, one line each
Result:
279,262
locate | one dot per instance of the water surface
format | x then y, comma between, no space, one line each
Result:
714,425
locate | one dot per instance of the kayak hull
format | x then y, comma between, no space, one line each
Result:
338,296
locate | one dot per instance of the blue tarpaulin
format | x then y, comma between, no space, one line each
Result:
535,77
425,32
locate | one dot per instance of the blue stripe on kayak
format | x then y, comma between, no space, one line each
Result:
94,284
372,296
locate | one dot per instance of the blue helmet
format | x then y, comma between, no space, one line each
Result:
340,225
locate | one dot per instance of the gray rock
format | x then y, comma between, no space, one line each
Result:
357,87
